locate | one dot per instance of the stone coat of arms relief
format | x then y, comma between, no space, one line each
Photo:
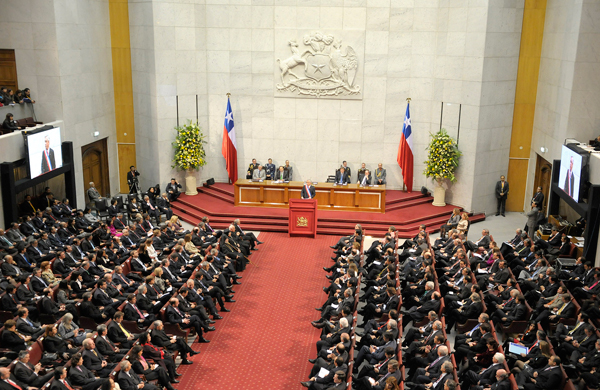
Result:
320,66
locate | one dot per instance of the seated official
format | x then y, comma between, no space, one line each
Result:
172,190
129,380
361,172
342,177
308,191
259,173
380,175
366,179
28,373
281,174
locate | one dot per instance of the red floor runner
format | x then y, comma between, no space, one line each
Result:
266,340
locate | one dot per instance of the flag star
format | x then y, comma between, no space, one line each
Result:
406,122
229,116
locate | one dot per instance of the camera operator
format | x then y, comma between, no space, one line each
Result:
132,180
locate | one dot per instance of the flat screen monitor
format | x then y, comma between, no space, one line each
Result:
569,179
44,151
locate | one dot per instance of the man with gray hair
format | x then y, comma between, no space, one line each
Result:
106,347
129,380
93,360
486,376
436,384
9,382
28,373
434,370
171,343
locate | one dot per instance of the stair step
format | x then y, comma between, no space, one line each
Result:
218,188
414,202
415,195
216,194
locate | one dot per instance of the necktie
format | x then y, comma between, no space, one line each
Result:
127,334
13,384
474,329
42,280
594,285
6,240
439,380
575,328
94,351
562,308
64,382
138,311
25,258
534,344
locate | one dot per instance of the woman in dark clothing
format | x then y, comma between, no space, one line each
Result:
9,125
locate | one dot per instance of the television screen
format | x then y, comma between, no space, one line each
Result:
569,179
44,151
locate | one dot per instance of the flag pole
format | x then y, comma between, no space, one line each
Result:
408,100
228,94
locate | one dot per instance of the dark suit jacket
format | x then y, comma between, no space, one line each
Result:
548,378
499,189
502,385
6,386
305,194
12,341
569,183
45,167
105,347
80,375
24,372
517,313
367,181
345,179
115,333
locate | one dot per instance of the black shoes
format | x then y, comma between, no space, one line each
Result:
259,242
175,380
185,362
224,310
236,282
210,321
202,340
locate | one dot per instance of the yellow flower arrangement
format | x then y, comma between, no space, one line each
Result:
443,157
189,149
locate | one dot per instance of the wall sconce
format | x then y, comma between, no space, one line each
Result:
543,149
96,133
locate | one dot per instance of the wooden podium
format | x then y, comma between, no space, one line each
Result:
303,217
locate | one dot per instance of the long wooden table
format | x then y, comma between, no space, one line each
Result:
350,197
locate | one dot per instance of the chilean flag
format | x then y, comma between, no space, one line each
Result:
405,152
229,147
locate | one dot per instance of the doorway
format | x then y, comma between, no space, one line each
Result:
543,178
94,158
8,69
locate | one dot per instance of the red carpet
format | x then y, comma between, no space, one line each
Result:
266,340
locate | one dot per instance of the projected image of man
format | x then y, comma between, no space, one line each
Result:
47,156
570,179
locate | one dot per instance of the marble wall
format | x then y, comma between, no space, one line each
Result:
568,98
63,54
454,51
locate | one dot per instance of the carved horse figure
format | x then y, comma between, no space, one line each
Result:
286,65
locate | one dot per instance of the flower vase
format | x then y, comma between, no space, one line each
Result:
190,184
439,195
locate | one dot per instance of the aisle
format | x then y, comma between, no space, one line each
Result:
266,340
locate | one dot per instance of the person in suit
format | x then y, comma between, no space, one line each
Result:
93,360
342,177
374,354
27,207
176,316
132,180
9,382
12,339
129,380
318,383
26,326
48,162
253,165
546,377
486,376
471,309
366,179
133,313
380,175
160,356
308,191
172,189
60,380
259,173
164,205
80,375
270,169
118,334
289,170
106,347
93,194
569,179
439,382
347,169
502,189
28,373
281,174
502,381
173,343
538,198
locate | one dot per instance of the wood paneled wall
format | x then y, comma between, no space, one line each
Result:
123,88
527,80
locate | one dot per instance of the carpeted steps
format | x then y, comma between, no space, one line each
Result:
406,211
